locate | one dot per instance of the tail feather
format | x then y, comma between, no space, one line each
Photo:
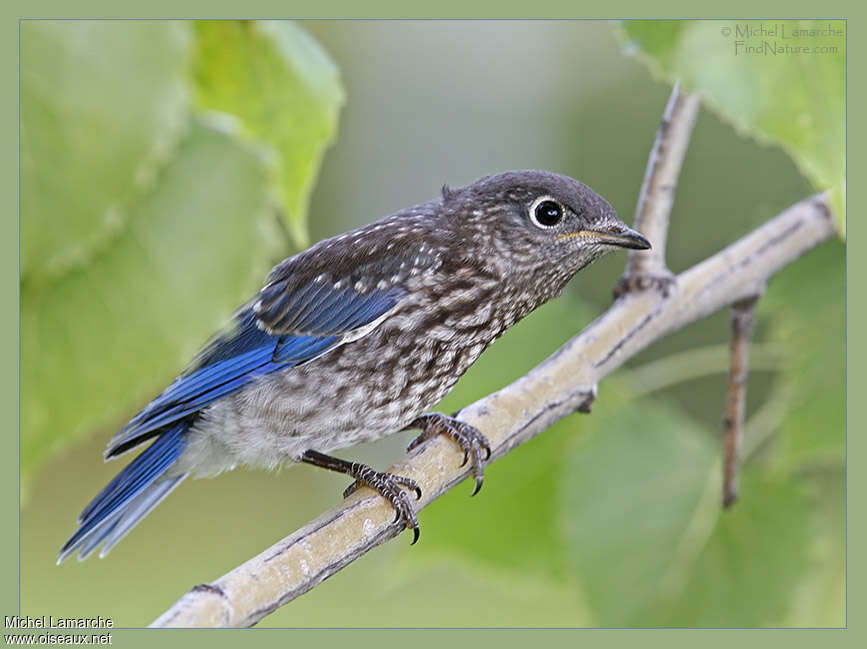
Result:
138,509
138,471
136,490
91,542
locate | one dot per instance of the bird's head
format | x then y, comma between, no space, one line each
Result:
537,222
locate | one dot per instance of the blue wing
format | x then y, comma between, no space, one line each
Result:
284,328
288,328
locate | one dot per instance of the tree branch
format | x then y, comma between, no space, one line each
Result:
646,269
564,383
736,403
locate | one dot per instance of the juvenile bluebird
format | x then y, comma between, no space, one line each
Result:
357,337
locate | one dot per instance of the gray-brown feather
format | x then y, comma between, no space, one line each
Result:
469,266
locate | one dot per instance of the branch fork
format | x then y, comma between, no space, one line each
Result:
648,270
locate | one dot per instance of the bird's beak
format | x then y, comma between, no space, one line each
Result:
617,235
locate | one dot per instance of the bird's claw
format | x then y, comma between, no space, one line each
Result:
469,438
399,479
389,486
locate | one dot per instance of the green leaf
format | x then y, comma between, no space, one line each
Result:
285,91
636,498
649,540
102,106
747,571
143,227
104,336
820,600
758,75
804,305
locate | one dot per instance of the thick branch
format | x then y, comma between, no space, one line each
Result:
658,189
564,383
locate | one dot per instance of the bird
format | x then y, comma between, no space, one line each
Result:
356,338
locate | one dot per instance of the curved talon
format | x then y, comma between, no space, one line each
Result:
351,489
416,442
408,483
478,469
403,512
470,440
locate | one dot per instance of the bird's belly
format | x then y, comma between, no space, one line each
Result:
359,392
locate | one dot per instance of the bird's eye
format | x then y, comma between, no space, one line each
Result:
545,212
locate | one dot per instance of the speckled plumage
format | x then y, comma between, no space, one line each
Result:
358,336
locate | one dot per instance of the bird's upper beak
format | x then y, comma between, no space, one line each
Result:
615,235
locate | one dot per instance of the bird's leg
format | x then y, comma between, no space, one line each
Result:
388,485
469,438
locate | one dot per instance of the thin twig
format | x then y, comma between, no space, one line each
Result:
733,424
652,212
564,383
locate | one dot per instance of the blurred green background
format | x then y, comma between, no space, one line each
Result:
166,166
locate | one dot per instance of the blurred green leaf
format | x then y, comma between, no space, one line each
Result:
820,599
649,538
792,98
746,571
104,335
142,225
276,79
637,499
95,129
804,305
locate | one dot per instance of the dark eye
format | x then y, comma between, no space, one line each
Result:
546,212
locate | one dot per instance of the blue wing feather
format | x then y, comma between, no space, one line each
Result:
321,297
329,320
285,304
318,314
366,313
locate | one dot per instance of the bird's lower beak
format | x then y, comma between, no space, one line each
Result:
618,235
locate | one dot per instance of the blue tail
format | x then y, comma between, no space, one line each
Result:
129,496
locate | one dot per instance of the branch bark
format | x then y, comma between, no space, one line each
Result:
736,403
656,198
564,383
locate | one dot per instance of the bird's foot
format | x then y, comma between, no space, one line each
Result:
468,438
663,283
388,485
